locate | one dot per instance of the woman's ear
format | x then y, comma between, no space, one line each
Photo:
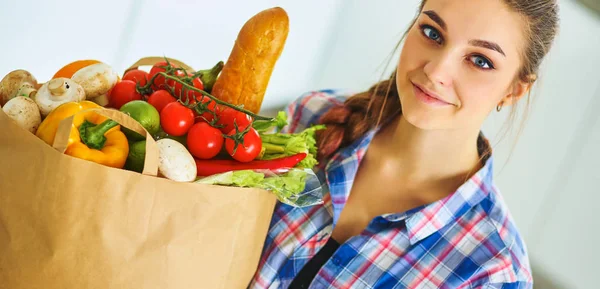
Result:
519,89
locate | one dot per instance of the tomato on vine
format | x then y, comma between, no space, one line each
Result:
137,76
190,95
227,116
160,98
204,141
176,119
243,146
161,82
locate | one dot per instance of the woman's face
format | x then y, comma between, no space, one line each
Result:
459,61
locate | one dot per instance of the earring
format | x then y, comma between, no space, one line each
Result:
499,107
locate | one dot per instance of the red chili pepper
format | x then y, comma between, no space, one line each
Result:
212,167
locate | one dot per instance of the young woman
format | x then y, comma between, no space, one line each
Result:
411,201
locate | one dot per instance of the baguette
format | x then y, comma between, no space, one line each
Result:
245,76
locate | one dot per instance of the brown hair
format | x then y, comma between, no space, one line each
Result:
363,111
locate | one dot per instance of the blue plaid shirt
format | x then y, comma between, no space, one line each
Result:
466,240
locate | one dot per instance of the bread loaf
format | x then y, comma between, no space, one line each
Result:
246,74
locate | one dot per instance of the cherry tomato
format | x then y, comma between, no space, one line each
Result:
122,93
160,98
204,141
189,95
227,116
176,119
246,151
207,116
137,76
199,85
160,82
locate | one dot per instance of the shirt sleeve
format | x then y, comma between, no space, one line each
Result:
500,272
307,109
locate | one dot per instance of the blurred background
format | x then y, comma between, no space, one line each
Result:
549,177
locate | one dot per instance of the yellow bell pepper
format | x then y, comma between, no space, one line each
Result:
93,137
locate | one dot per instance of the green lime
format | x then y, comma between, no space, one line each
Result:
135,159
145,114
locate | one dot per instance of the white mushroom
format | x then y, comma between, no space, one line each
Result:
56,92
97,80
24,111
17,82
175,162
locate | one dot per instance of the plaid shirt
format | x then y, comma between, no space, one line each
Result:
466,240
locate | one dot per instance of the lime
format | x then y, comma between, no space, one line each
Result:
135,159
145,114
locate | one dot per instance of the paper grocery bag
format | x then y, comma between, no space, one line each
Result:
69,223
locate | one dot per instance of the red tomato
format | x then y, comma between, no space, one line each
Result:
246,151
189,95
160,82
137,76
227,116
176,119
122,93
206,116
199,85
160,98
204,141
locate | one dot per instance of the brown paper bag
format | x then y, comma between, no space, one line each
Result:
69,223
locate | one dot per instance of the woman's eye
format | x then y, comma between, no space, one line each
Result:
481,62
431,33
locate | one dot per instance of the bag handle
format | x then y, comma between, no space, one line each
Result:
151,60
61,139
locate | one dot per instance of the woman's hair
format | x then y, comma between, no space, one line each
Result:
363,111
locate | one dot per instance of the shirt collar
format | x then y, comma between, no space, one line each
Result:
341,170
437,215
420,222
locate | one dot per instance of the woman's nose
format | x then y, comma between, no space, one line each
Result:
440,69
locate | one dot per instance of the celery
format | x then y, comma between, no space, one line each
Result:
279,145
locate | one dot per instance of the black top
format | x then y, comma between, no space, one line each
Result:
310,270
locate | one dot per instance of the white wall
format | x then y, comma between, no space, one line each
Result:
193,41
548,183
42,36
554,168
51,34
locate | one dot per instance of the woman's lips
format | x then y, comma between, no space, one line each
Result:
428,98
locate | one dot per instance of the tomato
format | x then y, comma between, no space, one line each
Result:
204,141
207,116
199,85
193,97
176,119
189,95
246,151
160,98
227,116
137,76
122,93
160,82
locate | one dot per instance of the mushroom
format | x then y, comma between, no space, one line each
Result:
17,82
97,80
24,111
56,92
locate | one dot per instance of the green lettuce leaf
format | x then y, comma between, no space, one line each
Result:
243,178
285,186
